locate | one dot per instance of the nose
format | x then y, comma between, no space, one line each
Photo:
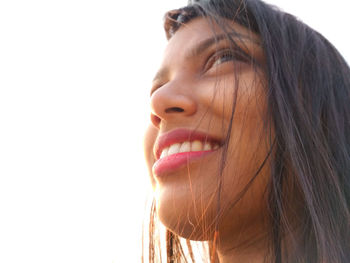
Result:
171,101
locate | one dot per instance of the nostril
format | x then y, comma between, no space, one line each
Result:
155,120
174,109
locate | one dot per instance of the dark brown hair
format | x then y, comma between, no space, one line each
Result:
308,95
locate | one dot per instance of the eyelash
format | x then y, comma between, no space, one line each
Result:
227,54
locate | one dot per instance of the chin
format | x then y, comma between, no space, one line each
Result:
184,218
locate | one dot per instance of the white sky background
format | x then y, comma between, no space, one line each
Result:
74,83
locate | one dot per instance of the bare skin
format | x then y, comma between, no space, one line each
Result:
195,89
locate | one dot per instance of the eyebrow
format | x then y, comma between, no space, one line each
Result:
207,43
203,46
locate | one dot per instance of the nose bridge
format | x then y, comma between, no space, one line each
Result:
172,100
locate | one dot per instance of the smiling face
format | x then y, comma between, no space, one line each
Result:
203,78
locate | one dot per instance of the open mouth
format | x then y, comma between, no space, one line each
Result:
179,147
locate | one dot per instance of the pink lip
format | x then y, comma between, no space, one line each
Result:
175,161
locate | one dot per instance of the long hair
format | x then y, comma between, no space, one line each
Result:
308,98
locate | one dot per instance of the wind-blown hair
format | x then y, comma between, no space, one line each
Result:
308,100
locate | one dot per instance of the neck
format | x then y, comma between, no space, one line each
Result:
249,255
249,245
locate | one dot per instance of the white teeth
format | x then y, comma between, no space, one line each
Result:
164,152
207,147
174,148
196,146
185,147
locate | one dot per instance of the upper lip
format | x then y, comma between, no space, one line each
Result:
181,135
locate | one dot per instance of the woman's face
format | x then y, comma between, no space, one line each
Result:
200,81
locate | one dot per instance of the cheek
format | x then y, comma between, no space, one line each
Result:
249,145
244,91
246,173
245,181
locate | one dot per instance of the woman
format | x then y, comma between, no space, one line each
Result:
249,147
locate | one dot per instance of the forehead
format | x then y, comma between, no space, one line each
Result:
198,30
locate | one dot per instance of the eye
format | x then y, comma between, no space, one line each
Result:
224,56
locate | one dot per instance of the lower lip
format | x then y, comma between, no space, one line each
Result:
175,161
